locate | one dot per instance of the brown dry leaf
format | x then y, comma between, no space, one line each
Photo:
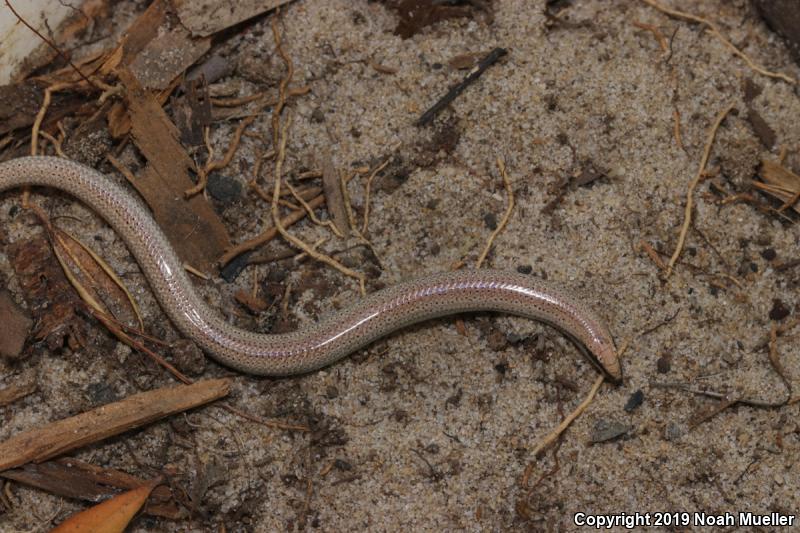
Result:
73,478
96,282
111,516
779,182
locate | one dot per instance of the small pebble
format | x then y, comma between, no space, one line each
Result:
514,338
524,269
101,393
501,368
634,401
490,220
664,364
223,188
318,115
779,310
341,464
608,429
673,431
769,254
276,275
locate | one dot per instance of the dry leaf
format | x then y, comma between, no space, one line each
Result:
96,282
111,516
779,182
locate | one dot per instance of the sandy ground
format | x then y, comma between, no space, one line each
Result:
432,429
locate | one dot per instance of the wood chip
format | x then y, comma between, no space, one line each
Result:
20,388
166,57
192,226
16,326
143,30
92,426
50,298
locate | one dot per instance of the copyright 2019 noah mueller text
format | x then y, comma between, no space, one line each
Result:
682,519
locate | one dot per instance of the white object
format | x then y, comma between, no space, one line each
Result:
17,41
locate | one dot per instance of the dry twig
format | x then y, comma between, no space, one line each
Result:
662,41
367,192
553,435
687,215
501,165
108,420
714,30
276,219
37,123
217,164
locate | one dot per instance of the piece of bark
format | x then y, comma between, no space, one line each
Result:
76,479
15,324
334,197
59,437
192,226
168,56
51,300
143,30
193,112
19,389
204,17
761,128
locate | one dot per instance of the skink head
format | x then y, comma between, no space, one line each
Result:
606,354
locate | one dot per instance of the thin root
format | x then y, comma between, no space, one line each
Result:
501,165
687,215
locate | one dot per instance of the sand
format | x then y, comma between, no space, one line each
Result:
432,428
